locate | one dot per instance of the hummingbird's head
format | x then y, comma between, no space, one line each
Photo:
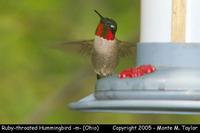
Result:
106,28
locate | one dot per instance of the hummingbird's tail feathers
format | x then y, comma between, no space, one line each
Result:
102,76
98,77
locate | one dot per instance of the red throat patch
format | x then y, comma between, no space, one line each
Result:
105,33
99,30
109,35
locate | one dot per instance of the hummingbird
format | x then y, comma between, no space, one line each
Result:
105,49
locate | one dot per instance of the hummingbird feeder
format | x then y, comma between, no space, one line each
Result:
170,42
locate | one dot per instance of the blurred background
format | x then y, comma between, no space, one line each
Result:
38,82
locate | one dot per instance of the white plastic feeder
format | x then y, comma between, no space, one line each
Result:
169,40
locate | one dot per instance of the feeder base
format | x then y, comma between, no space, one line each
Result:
90,103
174,88
166,83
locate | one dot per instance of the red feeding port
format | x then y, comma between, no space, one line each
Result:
136,71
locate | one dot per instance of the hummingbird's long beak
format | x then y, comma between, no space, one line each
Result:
98,14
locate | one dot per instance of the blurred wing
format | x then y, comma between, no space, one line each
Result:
126,48
83,47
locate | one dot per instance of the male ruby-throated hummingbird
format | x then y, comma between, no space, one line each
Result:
105,49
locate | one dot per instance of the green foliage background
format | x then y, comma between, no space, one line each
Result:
37,82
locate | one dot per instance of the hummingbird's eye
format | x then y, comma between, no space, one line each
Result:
112,26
